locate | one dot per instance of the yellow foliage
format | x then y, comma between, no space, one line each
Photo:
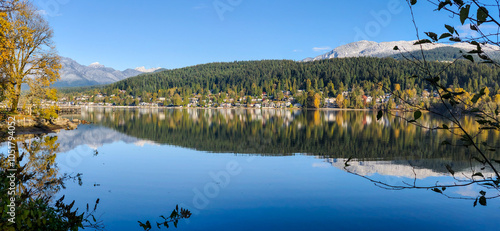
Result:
313,100
31,54
497,99
397,87
340,100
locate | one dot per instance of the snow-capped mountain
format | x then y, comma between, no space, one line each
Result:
74,74
385,49
144,70
94,137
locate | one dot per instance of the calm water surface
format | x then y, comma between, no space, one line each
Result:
271,170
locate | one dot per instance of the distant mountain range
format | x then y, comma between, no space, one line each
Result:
74,74
442,52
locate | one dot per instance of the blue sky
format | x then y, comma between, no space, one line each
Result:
178,33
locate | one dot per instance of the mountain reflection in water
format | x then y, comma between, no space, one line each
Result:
297,154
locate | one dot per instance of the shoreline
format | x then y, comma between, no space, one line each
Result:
235,108
43,129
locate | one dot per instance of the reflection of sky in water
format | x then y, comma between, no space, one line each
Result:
142,182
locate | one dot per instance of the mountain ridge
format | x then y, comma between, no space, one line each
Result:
74,74
366,48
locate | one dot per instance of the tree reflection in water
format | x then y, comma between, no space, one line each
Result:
326,134
37,181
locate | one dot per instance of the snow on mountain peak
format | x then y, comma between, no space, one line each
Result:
384,49
144,70
96,65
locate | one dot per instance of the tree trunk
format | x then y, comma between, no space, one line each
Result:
15,100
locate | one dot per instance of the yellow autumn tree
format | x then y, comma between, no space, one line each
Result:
397,87
8,5
33,59
313,100
5,45
340,101
4,27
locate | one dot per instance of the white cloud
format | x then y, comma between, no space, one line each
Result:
466,32
320,49
468,191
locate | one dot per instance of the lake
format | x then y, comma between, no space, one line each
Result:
274,170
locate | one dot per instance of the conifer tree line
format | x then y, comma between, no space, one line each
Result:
330,78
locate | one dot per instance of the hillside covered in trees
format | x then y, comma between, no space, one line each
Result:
268,76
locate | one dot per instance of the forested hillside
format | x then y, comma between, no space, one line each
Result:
268,76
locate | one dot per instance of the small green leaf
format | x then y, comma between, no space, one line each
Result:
396,48
437,190
443,4
432,35
469,57
474,52
459,2
482,201
464,13
485,57
445,35
483,193
482,15
478,174
447,96
417,115
422,41
413,2
476,98
450,29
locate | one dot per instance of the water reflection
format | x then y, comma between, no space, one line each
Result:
338,134
174,149
30,180
388,147
480,183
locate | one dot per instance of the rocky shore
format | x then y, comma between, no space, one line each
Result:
30,127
